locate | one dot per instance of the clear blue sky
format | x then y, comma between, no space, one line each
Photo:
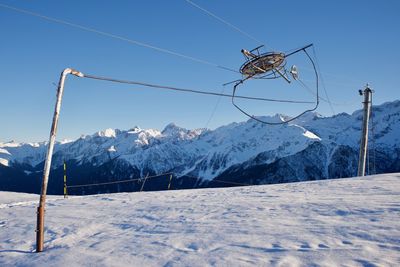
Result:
356,42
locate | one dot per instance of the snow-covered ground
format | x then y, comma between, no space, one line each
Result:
346,222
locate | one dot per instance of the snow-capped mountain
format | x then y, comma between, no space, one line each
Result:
312,147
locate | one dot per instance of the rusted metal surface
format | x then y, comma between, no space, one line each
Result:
39,229
262,64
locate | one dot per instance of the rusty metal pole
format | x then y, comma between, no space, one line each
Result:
47,165
367,93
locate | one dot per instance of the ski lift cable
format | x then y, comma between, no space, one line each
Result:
373,143
325,100
301,82
187,90
322,81
121,38
225,22
340,81
215,108
338,78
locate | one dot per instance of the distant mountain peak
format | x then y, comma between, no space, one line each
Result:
172,128
135,129
107,133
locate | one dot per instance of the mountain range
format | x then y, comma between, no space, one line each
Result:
309,148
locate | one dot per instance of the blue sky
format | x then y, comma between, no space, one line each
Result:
356,42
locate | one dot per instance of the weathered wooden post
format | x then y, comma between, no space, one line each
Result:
47,164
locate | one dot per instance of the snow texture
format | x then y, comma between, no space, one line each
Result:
343,222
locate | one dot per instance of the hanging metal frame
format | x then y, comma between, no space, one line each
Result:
272,65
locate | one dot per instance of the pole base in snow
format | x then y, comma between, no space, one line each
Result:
40,229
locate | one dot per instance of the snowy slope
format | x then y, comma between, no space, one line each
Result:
344,222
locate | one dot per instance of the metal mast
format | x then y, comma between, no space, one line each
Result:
367,93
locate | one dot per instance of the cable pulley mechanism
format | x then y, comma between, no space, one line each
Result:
272,65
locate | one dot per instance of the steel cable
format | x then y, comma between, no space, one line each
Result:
225,22
187,90
120,181
135,42
154,176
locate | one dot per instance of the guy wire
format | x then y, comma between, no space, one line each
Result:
190,90
225,22
322,81
131,41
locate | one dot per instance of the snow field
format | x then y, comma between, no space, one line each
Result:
344,222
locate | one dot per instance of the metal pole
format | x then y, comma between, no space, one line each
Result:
47,165
364,136
170,180
65,180
141,189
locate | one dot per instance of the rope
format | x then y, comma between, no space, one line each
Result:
220,181
372,142
121,38
153,176
121,181
327,101
224,21
235,183
189,90
322,82
215,108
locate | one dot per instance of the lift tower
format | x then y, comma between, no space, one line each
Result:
367,93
